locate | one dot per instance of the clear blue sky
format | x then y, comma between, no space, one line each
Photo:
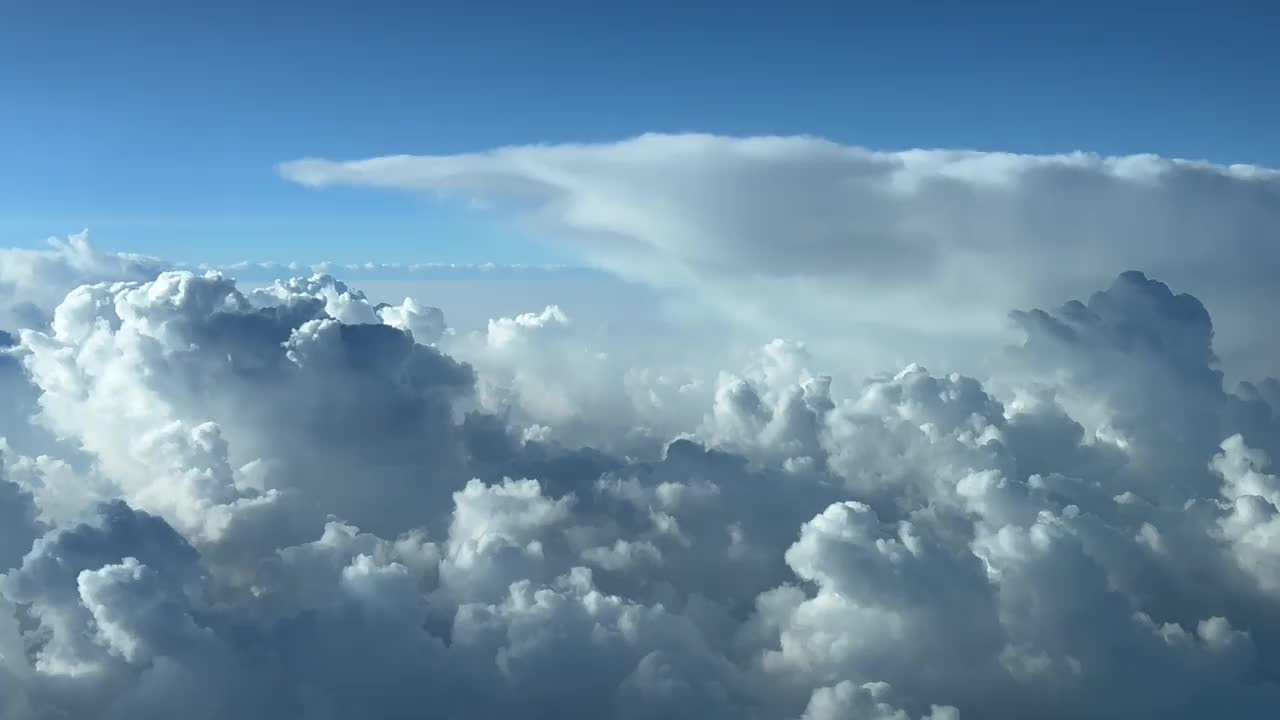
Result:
158,124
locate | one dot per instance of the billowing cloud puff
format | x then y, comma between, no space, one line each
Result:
288,501
920,247
564,383
33,282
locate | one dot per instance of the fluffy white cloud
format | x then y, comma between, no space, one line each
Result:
544,371
425,324
33,282
846,700
919,248
290,501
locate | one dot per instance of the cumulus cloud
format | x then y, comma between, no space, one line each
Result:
290,501
919,248
33,282
565,381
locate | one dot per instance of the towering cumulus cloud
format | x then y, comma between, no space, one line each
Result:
289,501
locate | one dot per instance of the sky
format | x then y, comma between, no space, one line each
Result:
159,125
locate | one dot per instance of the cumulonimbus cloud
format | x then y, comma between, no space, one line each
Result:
899,246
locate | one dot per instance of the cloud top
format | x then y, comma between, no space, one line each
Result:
927,240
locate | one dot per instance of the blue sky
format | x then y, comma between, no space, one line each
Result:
158,124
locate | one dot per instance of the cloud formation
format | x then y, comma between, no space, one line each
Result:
917,248
290,501
33,282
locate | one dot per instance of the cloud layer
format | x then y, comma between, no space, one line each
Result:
289,501
918,248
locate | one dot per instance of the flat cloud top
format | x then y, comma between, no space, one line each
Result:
923,241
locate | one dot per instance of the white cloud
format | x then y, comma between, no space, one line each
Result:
33,282
295,502
918,248
846,700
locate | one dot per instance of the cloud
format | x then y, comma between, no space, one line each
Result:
229,395
375,270
846,700
18,520
917,248
567,382
33,282
289,501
